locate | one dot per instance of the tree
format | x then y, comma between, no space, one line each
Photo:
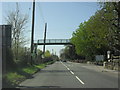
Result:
47,53
18,22
38,58
39,52
97,35
112,15
83,45
100,33
69,53
54,57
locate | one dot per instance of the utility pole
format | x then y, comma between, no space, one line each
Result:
32,33
44,38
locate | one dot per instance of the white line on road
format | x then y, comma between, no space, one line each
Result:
68,68
64,65
72,72
79,80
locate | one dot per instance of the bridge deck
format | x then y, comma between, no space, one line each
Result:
53,42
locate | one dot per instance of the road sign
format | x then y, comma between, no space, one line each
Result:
99,57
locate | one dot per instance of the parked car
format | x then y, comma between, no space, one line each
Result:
64,60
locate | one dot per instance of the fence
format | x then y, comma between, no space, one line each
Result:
113,64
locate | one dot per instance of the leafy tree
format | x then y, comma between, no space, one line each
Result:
97,35
69,53
55,57
39,52
112,15
81,41
38,58
47,53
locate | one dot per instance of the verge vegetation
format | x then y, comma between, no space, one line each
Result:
17,75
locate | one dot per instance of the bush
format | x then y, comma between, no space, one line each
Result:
9,60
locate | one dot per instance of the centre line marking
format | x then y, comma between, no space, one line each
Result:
79,80
72,72
68,68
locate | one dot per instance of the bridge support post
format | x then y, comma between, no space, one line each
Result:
44,38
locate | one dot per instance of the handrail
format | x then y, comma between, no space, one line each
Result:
53,41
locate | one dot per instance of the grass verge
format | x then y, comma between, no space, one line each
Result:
13,78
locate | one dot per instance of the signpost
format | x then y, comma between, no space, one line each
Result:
108,54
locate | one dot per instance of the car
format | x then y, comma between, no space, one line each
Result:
64,60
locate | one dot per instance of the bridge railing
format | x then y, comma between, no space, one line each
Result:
53,41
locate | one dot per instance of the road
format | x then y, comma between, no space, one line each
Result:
71,75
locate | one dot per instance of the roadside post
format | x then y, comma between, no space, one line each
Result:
108,55
104,64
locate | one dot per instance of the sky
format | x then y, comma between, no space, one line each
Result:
62,18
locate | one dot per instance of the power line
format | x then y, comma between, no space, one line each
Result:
41,12
88,4
29,9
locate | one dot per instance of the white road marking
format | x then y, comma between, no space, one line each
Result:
72,72
64,65
68,68
79,80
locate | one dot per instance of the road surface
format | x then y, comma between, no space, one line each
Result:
72,75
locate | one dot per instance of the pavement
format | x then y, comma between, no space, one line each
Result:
97,68
71,75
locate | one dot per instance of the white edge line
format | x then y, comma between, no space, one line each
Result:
79,80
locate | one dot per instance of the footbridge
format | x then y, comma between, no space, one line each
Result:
52,42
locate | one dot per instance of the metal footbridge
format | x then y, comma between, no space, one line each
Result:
52,42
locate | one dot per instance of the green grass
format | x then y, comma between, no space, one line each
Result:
51,62
13,75
19,74
14,78
30,70
40,66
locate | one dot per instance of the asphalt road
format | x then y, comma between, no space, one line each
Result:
71,75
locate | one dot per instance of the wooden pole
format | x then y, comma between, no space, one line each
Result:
32,33
44,38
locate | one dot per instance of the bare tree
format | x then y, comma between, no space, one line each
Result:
18,22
